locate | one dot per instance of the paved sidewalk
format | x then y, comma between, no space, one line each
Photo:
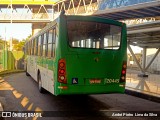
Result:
145,87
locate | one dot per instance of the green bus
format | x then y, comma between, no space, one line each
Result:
78,55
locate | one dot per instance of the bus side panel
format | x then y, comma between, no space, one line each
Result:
32,66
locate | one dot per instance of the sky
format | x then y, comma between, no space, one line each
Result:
135,49
15,30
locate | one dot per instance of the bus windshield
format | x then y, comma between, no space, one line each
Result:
83,34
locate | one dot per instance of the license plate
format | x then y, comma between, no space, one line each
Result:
95,81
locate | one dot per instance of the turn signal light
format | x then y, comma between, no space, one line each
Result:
123,72
124,66
61,65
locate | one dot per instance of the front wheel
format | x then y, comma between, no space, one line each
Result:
27,74
41,89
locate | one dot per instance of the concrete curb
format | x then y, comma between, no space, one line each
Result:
3,73
142,95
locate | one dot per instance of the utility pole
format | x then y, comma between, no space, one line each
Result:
11,27
6,51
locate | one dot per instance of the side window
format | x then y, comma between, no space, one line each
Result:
54,35
50,41
26,49
39,45
31,47
33,43
54,42
45,42
36,46
41,50
46,45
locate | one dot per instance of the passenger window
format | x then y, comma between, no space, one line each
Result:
50,41
39,45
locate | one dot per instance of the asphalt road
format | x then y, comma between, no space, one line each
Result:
20,93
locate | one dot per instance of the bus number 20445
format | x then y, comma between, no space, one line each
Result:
106,80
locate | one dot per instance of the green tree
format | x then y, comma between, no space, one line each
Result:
28,37
2,42
15,41
19,45
1,39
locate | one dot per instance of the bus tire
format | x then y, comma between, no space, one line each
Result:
41,89
27,74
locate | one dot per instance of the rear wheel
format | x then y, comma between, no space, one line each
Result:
41,90
27,74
